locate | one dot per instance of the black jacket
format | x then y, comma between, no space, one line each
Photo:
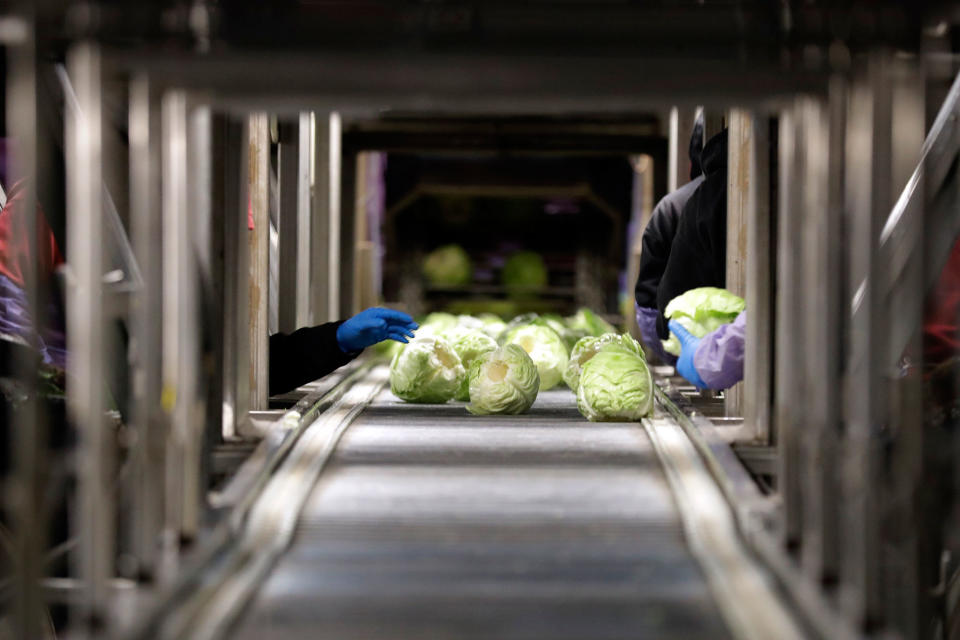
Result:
657,240
659,232
698,257
305,355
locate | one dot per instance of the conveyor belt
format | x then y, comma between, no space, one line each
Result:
431,523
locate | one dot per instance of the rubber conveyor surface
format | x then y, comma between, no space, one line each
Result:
431,523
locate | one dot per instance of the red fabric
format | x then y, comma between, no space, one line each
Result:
940,331
14,249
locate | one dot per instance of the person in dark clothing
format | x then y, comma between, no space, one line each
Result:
657,240
313,352
698,256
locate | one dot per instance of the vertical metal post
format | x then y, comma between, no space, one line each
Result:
917,463
822,323
714,121
95,513
325,219
758,353
348,228
867,204
27,495
180,343
289,227
304,234
789,345
148,419
678,165
204,309
738,201
258,184
236,354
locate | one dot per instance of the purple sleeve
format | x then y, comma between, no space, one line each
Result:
647,321
719,357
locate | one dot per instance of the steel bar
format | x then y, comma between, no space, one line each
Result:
304,220
289,224
789,348
916,463
148,418
25,499
236,354
325,219
867,205
95,514
761,261
822,323
203,248
739,180
259,167
180,336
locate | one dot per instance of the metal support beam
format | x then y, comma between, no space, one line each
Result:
868,201
822,320
681,124
182,338
325,219
259,236
761,262
739,179
789,346
349,300
95,514
148,419
289,224
204,245
26,495
236,340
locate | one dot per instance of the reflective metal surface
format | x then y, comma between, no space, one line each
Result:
433,523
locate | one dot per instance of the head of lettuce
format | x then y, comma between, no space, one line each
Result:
504,380
468,344
701,311
615,386
427,370
588,347
545,348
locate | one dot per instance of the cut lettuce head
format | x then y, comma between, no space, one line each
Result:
448,266
615,386
545,348
588,347
701,311
468,344
591,323
427,370
504,380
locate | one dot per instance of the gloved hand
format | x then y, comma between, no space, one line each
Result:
688,347
374,325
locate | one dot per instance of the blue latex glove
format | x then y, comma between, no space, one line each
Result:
374,325
688,347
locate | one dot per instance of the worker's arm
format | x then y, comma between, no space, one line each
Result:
647,323
313,352
716,360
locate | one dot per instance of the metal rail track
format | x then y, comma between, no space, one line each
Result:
430,523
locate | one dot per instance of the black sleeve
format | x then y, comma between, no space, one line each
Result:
657,239
305,355
699,252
